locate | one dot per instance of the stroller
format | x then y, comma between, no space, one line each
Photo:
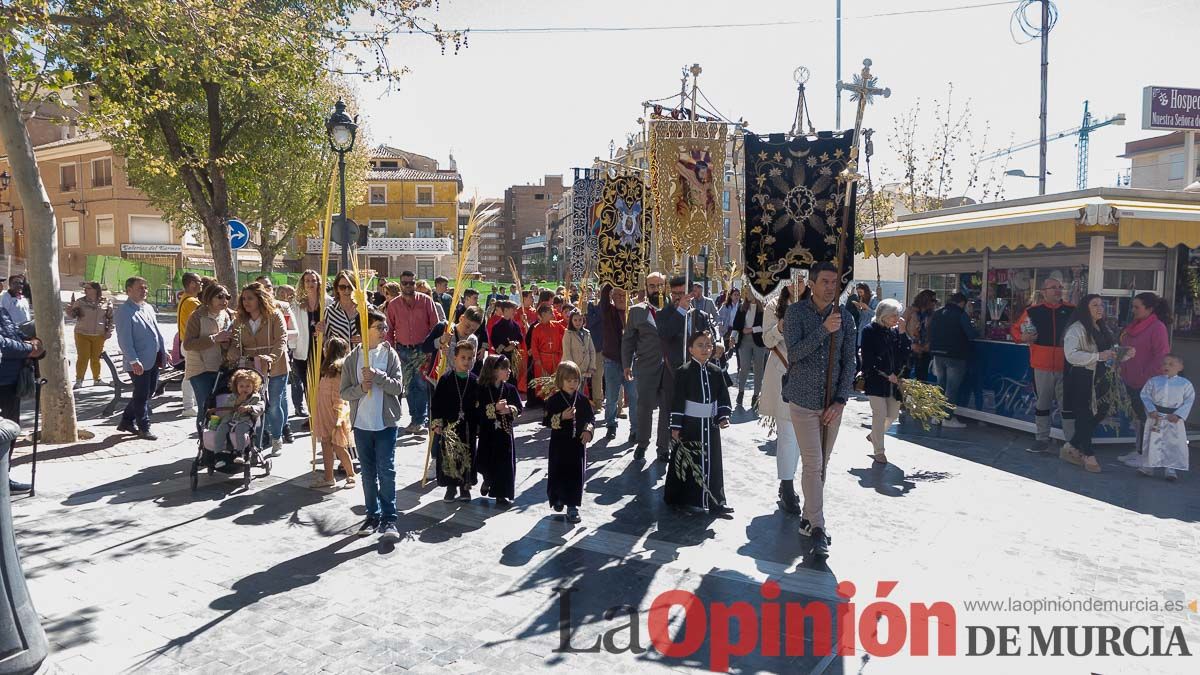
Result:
220,403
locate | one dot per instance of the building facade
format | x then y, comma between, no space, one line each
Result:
489,246
96,209
1157,163
524,214
411,212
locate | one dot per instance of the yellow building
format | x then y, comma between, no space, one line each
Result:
411,211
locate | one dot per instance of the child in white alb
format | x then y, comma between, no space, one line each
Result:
1168,399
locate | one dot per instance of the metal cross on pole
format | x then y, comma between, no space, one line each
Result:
863,90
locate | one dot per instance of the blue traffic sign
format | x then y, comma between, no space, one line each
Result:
239,234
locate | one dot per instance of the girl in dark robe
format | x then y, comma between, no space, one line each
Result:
454,409
506,337
571,420
699,411
498,406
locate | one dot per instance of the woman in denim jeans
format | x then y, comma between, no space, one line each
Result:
260,342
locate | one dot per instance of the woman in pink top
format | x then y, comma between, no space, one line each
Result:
1147,335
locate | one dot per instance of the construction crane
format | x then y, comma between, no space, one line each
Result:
1083,131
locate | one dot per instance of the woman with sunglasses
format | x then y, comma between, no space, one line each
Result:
306,315
260,342
341,316
206,336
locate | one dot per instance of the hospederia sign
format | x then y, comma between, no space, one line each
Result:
1171,108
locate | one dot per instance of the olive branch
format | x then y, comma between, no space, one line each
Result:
686,453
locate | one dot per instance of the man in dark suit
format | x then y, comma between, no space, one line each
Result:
642,359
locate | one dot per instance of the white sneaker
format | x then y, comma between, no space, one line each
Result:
276,446
1131,459
1146,472
1170,474
189,412
953,423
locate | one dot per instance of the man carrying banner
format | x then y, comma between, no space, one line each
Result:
808,327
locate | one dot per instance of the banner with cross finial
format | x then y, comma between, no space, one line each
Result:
795,189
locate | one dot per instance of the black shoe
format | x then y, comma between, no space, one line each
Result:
740,398
789,500
573,515
145,435
806,527
16,486
502,503
633,439
388,532
663,456
820,542
485,489
287,434
126,427
451,494
639,453
694,510
610,434
464,494
557,506
720,509
369,526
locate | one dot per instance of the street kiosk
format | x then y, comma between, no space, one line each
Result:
1116,242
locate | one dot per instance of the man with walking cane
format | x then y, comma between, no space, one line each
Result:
15,352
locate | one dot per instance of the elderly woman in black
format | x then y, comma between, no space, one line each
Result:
885,353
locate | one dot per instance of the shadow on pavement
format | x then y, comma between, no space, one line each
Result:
1119,485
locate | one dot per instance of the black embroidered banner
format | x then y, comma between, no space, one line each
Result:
623,238
581,244
795,208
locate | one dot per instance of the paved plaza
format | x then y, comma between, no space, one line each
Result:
132,571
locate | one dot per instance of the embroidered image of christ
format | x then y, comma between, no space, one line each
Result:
695,180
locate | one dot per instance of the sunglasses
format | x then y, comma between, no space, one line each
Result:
408,283
344,287
224,296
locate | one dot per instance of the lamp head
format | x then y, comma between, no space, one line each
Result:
341,129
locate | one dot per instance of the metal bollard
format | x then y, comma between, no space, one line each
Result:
23,645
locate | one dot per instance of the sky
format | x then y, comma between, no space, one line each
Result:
514,107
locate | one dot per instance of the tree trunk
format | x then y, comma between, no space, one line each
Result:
268,253
58,402
217,229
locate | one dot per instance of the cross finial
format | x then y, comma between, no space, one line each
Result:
865,86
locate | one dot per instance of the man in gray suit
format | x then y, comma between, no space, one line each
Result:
642,358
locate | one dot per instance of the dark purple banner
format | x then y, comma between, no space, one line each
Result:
1171,108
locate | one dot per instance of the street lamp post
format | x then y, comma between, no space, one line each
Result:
342,130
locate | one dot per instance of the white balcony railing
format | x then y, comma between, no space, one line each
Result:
395,245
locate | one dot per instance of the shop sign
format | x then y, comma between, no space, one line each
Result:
1170,108
151,248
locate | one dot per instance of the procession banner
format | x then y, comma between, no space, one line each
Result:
581,240
687,169
622,235
795,193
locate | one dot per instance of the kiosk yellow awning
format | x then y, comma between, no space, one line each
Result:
1011,237
1137,217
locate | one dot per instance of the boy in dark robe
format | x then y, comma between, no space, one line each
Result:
454,421
699,410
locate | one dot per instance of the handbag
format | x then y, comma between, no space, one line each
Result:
860,383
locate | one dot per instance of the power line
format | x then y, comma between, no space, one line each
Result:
547,30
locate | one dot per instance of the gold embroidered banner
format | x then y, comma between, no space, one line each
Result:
687,176
623,236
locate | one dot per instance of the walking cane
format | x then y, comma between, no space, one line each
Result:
37,431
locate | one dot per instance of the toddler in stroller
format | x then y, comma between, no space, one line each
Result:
233,424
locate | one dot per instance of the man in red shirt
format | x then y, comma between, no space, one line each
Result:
410,317
1042,327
